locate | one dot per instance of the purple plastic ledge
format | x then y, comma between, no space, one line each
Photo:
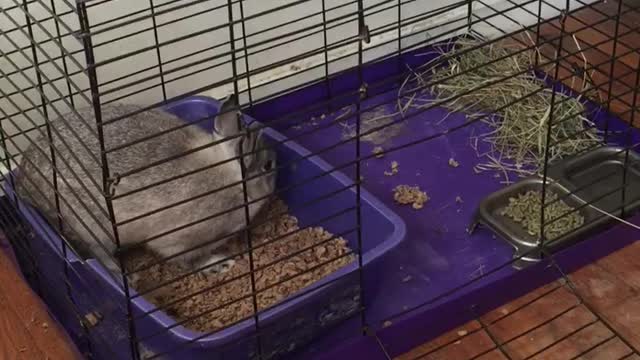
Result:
388,228
487,295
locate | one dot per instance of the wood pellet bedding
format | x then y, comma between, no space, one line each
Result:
187,298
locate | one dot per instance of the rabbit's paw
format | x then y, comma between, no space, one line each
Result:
218,266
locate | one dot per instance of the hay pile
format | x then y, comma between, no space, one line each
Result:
518,138
296,272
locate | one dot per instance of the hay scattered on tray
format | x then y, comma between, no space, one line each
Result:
389,124
231,292
518,140
394,169
405,195
378,151
525,210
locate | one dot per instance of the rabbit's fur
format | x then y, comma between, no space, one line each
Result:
34,188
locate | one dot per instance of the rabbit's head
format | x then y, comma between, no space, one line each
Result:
259,157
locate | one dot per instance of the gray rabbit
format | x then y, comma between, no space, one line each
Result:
195,220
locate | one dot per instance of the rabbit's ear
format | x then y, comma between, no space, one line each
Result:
226,123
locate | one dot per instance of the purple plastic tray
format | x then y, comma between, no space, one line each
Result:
286,326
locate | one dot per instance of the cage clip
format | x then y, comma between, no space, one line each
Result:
365,36
112,182
363,90
91,319
577,70
79,34
564,14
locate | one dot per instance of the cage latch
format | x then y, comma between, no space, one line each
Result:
112,183
363,90
364,34
91,319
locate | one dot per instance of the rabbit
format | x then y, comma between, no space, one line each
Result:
34,179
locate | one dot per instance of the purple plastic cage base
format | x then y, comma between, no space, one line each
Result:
491,291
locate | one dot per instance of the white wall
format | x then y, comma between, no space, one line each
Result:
207,15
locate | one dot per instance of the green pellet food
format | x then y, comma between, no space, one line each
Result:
559,217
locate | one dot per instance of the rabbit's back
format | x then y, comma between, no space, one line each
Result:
132,143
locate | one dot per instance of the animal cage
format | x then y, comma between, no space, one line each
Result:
244,179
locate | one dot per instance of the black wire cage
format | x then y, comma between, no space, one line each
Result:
253,179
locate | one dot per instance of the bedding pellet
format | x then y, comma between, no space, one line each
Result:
275,279
394,169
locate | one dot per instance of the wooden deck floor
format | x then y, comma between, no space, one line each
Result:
553,323
27,331
589,44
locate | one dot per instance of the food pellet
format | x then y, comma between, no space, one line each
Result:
453,163
378,151
290,275
462,333
559,218
405,195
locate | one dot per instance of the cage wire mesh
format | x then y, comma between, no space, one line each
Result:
267,179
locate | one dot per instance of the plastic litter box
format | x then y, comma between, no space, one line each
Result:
283,328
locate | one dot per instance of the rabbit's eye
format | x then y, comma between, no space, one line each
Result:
268,166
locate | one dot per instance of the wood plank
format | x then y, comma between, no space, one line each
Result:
625,318
598,59
607,25
550,332
507,309
603,42
15,340
624,264
533,315
614,349
39,331
577,344
601,288
493,355
461,340
629,16
467,347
